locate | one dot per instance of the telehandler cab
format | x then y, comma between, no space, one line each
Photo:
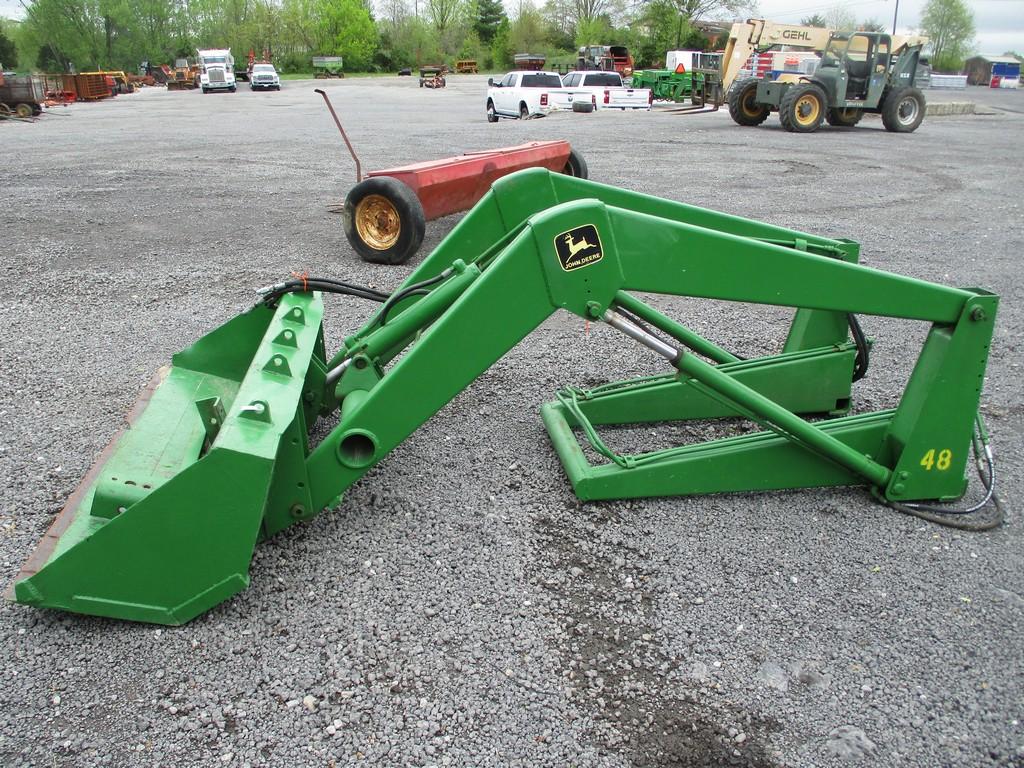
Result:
858,73
219,456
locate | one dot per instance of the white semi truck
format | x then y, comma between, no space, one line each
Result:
216,69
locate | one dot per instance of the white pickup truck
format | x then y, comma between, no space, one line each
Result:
528,94
608,90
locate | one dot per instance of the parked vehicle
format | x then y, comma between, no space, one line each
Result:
325,67
531,94
432,76
216,69
864,72
610,58
608,90
529,61
21,95
264,76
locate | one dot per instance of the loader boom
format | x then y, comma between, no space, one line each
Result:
537,243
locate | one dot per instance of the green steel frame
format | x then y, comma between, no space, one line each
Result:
164,527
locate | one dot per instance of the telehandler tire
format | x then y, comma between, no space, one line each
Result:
743,106
384,220
843,118
903,110
802,108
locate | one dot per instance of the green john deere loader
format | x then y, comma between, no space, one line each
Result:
218,455
858,73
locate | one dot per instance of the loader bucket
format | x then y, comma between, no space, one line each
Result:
164,525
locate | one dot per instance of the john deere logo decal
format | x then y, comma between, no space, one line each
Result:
578,247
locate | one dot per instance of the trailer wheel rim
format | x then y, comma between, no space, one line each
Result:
906,112
807,110
378,222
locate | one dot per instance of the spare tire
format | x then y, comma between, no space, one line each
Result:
583,106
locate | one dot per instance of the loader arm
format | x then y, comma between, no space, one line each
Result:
221,457
462,333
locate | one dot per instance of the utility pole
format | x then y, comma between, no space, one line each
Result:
895,14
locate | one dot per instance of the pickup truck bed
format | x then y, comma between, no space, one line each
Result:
607,90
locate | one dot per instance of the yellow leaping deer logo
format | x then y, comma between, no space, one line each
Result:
575,247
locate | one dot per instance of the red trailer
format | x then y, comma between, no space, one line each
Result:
385,213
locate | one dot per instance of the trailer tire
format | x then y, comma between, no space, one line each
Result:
23,110
802,108
743,106
576,166
384,220
903,110
843,118
5,111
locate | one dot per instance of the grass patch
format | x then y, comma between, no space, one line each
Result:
348,75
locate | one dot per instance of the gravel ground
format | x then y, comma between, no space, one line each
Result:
462,607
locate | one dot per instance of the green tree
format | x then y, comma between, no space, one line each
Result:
527,35
949,25
693,10
346,29
489,14
444,13
655,32
501,47
840,18
816,20
595,31
8,50
873,25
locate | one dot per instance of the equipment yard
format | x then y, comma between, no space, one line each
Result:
461,606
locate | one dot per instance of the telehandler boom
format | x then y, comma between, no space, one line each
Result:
219,456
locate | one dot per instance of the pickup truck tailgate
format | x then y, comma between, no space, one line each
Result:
624,98
563,98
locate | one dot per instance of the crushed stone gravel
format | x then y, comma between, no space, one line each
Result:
461,607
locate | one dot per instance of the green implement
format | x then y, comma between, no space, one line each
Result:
220,456
665,84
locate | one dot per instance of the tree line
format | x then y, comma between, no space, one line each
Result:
119,34
56,35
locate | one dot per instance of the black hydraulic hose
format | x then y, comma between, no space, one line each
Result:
327,285
414,289
861,362
952,517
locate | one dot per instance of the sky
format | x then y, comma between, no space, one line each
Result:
999,23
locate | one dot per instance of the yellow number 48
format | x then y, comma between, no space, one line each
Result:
940,462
